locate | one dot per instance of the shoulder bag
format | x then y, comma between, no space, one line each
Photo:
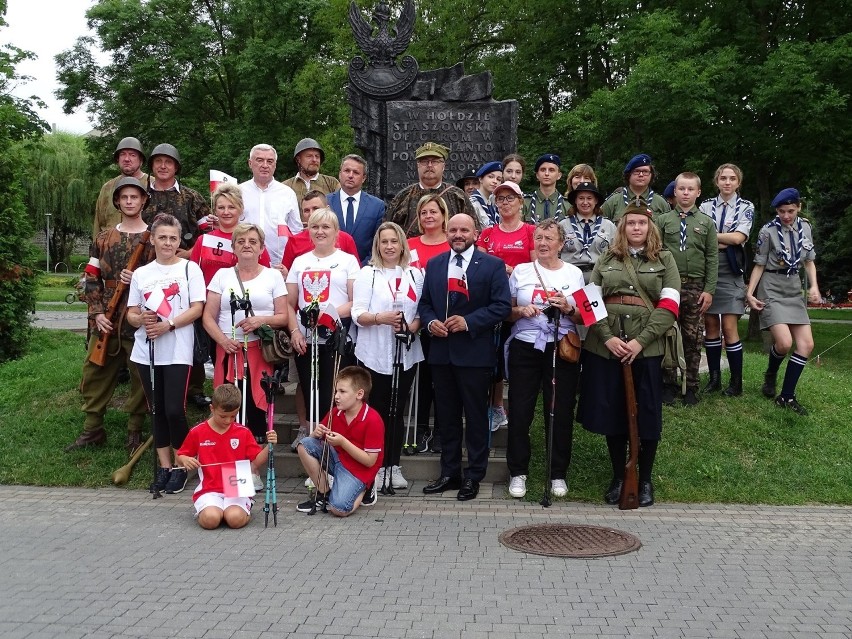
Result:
568,346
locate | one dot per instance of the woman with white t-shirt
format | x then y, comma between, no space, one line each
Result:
166,296
385,299
325,276
535,286
264,288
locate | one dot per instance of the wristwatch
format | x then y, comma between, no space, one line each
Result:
171,325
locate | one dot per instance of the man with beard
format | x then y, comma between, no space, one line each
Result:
308,157
129,157
431,161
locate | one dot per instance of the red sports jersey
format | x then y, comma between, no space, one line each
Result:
367,431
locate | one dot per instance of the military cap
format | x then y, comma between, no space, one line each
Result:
638,207
489,167
469,175
432,149
585,187
669,192
548,157
786,196
643,159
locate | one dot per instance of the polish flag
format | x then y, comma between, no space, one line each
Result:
405,286
415,260
456,281
236,479
284,231
158,300
218,177
590,304
328,317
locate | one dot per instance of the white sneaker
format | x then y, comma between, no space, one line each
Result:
518,486
558,487
303,432
397,480
499,418
310,484
258,482
380,477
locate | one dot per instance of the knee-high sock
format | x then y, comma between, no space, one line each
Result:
774,361
647,454
713,348
735,358
795,366
617,446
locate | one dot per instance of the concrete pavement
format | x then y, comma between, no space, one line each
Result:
115,563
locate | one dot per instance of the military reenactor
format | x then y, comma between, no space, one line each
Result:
691,237
588,233
308,157
545,202
130,157
785,246
109,255
431,161
638,175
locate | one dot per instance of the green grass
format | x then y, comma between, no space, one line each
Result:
838,314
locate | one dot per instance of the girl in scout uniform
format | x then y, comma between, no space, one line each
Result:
784,247
587,232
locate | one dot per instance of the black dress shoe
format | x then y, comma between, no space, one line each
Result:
201,400
613,493
646,493
88,438
441,484
469,490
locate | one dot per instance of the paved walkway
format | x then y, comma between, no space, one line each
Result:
115,563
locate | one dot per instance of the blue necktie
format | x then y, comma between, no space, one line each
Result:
587,233
546,209
350,215
722,219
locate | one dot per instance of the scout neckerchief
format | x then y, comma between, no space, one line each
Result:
490,209
785,255
560,206
625,190
721,222
585,236
683,215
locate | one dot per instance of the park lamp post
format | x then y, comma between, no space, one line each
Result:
47,241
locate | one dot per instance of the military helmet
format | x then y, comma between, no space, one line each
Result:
308,143
129,143
126,181
165,149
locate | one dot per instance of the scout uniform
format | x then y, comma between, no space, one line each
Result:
735,215
538,206
586,241
616,203
691,238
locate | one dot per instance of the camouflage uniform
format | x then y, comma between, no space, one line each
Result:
182,202
403,207
323,183
698,265
615,204
106,215
109,254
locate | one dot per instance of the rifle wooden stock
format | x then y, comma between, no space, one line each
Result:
122,475
630,490
114,310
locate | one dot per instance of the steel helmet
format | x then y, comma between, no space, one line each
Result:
308,143
126,181
129,143
165,149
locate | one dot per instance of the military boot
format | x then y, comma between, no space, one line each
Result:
769,382
715,382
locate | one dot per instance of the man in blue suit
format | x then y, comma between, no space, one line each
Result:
359,214
462,354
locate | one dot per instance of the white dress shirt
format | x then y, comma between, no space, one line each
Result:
270,208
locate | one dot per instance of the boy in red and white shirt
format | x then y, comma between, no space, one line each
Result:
212,444
355,434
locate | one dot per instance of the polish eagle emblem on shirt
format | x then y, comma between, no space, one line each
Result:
315,286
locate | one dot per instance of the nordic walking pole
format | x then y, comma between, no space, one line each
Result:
545,500
154,490
246,307
271,384
413,400
387,483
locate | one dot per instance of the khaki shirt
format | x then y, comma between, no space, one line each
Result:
323,183
614,206
700,259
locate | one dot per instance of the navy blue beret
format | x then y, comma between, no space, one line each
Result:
786,196
643,159
548,157
489,167
669,192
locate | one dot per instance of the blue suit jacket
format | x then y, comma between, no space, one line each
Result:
490,303
371,213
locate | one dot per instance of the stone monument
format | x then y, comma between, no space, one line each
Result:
395,107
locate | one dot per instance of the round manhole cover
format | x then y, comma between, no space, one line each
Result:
570,540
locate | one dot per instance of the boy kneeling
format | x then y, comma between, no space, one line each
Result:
354,434
213,443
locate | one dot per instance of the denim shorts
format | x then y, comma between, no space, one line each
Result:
346,486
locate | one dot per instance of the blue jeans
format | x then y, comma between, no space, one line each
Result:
346,486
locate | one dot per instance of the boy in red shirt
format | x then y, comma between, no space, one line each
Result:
213,443
355,434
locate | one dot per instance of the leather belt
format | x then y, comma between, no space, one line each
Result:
111,283
627,300
688,280
781,271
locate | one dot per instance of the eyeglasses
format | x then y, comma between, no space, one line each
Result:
642,172
499,199
427,161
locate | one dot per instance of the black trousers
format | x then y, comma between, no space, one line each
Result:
463,391
531,371
169,422
426,396
381,398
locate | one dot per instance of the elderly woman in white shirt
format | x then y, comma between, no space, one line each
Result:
384,304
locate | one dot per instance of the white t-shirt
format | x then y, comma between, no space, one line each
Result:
261,291
525,287
173,347
324,279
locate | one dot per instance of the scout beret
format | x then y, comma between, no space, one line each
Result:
548,157
669,192
643,159
469,175
432,149
489,167
786,196
586,187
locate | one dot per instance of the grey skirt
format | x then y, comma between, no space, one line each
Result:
729,298
784,301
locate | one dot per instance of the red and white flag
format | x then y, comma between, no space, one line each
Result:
284,231
218,177
457,281
217,245
328,317
590,304
415,260
158,300
236,479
